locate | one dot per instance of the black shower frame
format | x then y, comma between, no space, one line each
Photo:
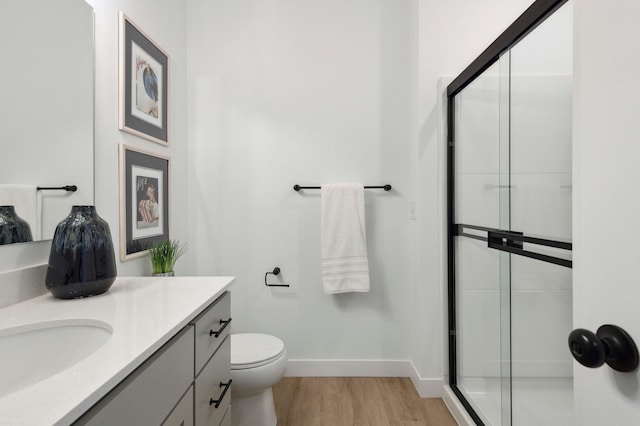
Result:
530,19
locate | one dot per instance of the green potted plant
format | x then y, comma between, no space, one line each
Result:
164,255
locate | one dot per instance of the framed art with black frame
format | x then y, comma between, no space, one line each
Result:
144,201
144,84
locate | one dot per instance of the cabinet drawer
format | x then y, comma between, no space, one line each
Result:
211,384
212,327
182,415
226,421
148,394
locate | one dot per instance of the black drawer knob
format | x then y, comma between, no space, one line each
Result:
610,344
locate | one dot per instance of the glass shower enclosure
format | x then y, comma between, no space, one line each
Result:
509,224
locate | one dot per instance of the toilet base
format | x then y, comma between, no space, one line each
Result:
254,410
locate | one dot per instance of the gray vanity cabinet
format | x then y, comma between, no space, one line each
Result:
213,384
182,415
185,382
213,363
148,395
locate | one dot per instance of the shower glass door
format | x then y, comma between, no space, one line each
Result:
540,169
510,231
483,274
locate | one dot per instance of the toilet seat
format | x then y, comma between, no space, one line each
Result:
251,350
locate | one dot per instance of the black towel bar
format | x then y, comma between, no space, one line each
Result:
385,187
69,188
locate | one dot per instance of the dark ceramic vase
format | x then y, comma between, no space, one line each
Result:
13,229
82,261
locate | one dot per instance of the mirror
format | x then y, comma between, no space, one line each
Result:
46,110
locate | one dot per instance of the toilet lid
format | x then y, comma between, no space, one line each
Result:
249,350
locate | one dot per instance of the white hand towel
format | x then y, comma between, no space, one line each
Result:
26,202
345,266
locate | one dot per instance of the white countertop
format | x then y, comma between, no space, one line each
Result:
144,313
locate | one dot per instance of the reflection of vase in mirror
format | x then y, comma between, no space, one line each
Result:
47,102
82,261
13,229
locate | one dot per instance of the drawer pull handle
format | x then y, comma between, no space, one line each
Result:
219,400
224,325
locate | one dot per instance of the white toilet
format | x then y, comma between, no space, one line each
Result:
258,362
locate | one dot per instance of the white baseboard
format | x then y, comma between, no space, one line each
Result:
455,408
347,368
426,388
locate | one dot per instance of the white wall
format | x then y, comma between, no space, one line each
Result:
165,22
286,93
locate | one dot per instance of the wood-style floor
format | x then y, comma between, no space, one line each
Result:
357,401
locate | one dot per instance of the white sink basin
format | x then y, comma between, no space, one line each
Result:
34,352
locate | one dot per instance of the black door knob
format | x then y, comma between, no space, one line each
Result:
610,344
586,348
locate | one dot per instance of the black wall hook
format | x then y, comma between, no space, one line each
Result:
276,271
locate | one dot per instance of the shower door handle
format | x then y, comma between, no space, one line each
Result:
610,344
513,242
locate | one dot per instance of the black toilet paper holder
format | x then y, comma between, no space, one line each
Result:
276,271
